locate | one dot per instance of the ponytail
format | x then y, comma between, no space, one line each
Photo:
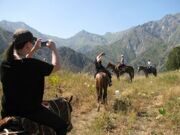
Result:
20,37
8,55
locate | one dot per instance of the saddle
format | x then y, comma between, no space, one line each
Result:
121,67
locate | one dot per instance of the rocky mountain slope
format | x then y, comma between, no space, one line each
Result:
70,59
152,40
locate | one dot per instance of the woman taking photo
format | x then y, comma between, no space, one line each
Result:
22,80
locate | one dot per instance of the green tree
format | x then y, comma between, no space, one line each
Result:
173,61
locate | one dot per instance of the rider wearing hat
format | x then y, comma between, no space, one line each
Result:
121,63
149,64
99,67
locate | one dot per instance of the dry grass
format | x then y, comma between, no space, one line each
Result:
153,104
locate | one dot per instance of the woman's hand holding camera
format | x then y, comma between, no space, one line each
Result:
51,45
55,60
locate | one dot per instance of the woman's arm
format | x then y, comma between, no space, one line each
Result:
36,46
55,56
99,57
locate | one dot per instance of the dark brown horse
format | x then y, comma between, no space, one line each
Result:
147,71
119,71
60,106
101,88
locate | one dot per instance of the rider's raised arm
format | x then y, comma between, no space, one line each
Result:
99,57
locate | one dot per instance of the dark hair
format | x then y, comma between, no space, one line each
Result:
8,55
20,37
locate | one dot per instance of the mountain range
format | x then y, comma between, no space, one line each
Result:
70,59
152,40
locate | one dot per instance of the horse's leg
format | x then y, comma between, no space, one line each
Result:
98,107
100,100
117,75
146,74
155,73
98,85
105,95
132,73
130,76
98,96
101,95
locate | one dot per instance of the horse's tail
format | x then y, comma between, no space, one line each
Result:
97,83
131,71
102,80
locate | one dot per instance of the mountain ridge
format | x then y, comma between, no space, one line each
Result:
137,43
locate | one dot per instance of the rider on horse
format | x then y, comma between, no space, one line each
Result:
121,64
149,63
99,67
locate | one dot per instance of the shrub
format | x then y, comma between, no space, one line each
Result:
173,61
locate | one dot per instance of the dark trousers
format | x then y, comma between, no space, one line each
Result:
46,117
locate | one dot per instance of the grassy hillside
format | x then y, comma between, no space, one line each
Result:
147,106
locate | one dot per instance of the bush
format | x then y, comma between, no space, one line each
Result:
173,61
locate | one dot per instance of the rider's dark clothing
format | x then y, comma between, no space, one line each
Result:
23,89
99,67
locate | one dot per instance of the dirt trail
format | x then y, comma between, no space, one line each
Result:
144,123
82,122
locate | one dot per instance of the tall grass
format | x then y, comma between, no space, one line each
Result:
153,103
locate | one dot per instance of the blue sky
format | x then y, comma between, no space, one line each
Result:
64,18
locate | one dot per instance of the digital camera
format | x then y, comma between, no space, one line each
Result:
43,44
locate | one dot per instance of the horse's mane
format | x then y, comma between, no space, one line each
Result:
110,65
61,106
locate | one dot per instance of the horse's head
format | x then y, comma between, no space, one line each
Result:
140,68
114,68
109,65
62,107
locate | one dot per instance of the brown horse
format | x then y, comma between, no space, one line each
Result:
101,88
147,70
120,71
60,106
